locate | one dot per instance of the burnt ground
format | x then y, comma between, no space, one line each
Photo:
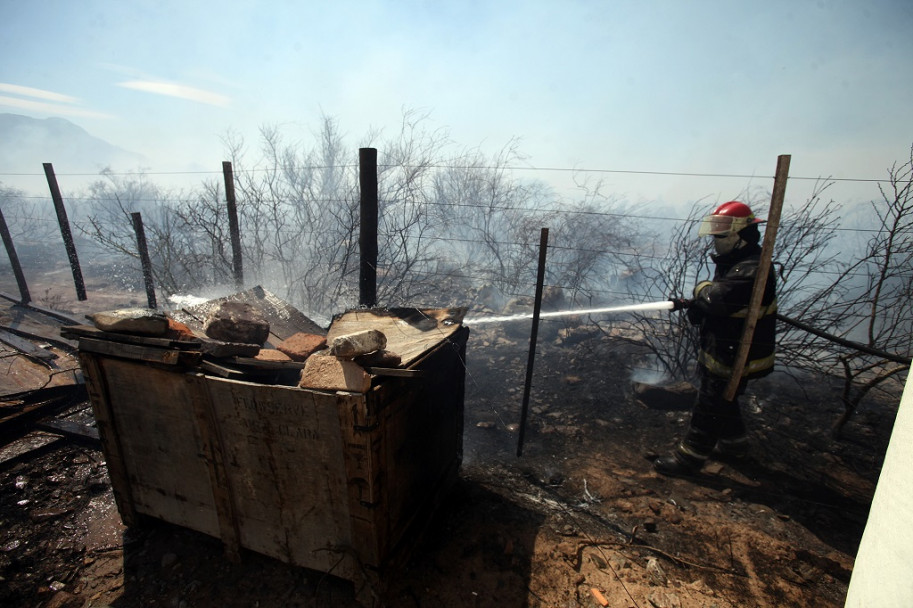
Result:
580,510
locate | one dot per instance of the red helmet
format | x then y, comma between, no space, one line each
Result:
728,218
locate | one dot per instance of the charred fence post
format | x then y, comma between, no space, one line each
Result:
144,257
65,230
367,236
14,260
533,336
233,226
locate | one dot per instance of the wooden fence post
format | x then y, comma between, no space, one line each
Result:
233,226
14,260
65,230
533,336
144,258
367,237
760,282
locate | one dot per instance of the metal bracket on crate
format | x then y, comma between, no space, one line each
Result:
366,427
362,485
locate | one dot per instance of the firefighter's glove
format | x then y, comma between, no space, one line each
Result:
701,286
680,303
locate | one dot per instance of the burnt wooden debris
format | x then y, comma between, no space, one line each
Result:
41,385
20,412
243,449
81,433
26,347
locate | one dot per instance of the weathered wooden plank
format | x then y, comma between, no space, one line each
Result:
282,453
129,351
72,430
96,386
48,334
59,318
154,424
165,356
212,446
26,322
27,447
20,373
363,462
262,364
410,332
44,395
225,371
266,375
86,331
20,411
25,347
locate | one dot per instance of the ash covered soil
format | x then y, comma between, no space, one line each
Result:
579,517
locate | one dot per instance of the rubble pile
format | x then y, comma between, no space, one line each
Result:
254,335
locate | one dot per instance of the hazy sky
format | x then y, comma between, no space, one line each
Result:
667,86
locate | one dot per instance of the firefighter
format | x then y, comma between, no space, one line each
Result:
719,308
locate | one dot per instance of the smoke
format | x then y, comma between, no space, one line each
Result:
650,372
185,301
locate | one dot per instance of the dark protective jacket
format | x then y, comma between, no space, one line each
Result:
720,308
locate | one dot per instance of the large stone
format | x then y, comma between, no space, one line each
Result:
302,345
179,331
325,372
359,343
237,322
271,354
379,358
139,321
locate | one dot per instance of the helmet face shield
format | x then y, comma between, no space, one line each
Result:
720,225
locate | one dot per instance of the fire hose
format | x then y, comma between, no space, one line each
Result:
681,303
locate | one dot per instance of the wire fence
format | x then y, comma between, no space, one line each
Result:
82,226
636,259
450,250
254,171
174,201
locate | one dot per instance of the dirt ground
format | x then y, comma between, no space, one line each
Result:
578,519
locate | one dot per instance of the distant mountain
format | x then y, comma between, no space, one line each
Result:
26,143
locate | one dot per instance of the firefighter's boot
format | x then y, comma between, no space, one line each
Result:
678,464
735,448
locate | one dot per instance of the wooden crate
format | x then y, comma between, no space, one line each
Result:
333,481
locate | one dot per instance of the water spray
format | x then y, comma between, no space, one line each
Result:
662,305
